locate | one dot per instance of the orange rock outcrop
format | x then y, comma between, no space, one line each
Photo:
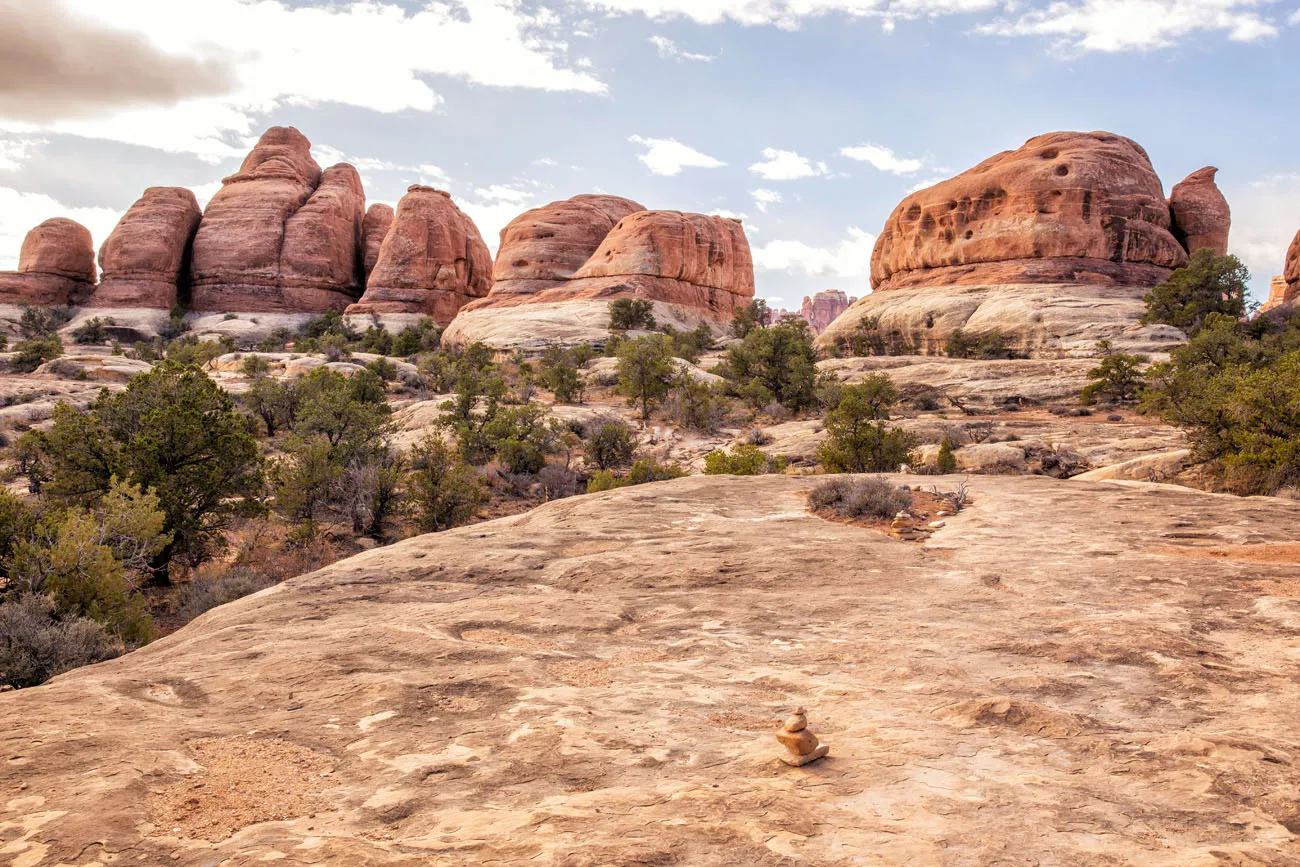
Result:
146,258
56,265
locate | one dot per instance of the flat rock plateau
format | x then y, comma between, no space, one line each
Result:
1067,673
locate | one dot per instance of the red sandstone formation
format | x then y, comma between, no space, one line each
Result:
1066,207
432,260
55,266
1292,272
1201,217
822,309
547,245
279,236
146,256
375,227
1277,294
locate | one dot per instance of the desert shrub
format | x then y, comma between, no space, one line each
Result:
774,364
208,591
697,405
1207,285
383,368
928,401
870,338
987,347
254,366
610,443
646,371
946,461
559,373
377,340
1117,379
871,497
643,472
444,492
742,460
330,323
189,350
690,345
176,325
557,482
4,343
521,437
423,336
91,331
37,323
756,436
753,315
631,314
37,643
273,402
31,354
859,440
277,341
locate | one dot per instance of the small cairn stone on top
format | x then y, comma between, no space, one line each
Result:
802,745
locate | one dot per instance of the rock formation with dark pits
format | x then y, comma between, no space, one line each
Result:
55,266
1201,217
146,257
694,268
431,263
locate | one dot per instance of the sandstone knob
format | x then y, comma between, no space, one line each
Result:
1292,272
144,259
1065,207
56,265
375,228
552,242
1201,217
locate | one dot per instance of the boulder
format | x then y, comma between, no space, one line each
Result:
693,268
1067,207
374,229
56,265
1200,213
145,259
280,237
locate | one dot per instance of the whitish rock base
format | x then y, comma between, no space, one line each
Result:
535,327
1043,321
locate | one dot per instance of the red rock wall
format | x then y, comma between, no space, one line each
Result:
1070,207
56,265
146,257
432,260
1201,217
550,243
1292,272
375,227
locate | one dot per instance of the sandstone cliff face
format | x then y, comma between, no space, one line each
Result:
825,307
55,266
147,256
279,237
432,261
1201,217
379,218
1066,207
1292,272
694,268
1278,294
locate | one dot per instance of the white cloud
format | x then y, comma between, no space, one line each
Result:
1265,217
670,50
883,158
763,199
730,215
1134,25
15,152
545,161
294,55
666,156
493,207
781,165
1295,18
850,258
21,212
928,182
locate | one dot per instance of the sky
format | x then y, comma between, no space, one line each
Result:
808,119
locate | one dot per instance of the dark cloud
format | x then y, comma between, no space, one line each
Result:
55,67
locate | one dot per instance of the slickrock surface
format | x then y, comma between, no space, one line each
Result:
378,220
1044,320
432,261
1066,207
1200,212
1066,673
56,265
693,268
280,237
148,252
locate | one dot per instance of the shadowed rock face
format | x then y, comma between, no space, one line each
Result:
279,237
146,257
55,266
431,262
613,668
1201,217
378,220
1066,207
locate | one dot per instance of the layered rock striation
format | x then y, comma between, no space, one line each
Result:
56,265
145,261
281,236
558,268
431,263
1200,213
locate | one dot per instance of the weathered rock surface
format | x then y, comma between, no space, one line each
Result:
1292,272
547,245
56,265
599,682
825,307
1279,293
147,256
379,218
431,263
693,268
1041,320
1066,207
1201,217
280,237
